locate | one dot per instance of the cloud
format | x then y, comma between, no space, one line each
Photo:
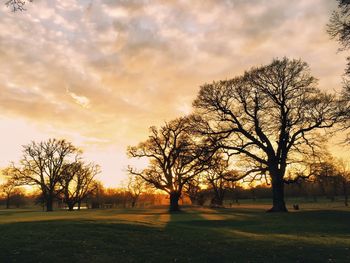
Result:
80,100
107,70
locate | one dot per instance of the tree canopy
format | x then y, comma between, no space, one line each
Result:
339,29
175,157
42,165
269,116
17,5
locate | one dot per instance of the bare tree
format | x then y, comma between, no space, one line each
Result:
332,177
42,166
174,158
78,182
344,110
326,176
194,191
217,176
9,187
136,186
269,116
344,174
339,27
17,5
217,183
220,176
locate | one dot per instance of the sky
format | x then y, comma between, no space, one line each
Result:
100,73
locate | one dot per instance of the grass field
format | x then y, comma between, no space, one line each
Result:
244,234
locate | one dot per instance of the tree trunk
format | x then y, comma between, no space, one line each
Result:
8,202
218,200
278,204
70,206
345,191
79,204
174,201
49,204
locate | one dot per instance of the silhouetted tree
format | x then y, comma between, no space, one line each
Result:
194,191
217,177
97,199
174,158
42,166
269,116
339,27
344,109
17,5
8,188
332,177
326,176
136,186
344,174
18,198
78,183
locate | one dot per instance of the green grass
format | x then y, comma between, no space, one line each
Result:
243,234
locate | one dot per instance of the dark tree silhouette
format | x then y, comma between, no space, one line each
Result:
332,177
42,165
217,176
328,178
78,183
339,27
136,186
174,155
344,109
194,191
9,187
344,174
269,116
17,5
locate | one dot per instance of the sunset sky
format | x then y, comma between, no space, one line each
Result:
99,73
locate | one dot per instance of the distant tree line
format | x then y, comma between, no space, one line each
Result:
135,194
330,180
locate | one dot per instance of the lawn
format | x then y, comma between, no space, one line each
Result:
244,234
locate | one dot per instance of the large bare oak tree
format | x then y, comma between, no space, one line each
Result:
175,157
269,116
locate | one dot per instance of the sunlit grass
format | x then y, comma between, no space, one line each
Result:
194,235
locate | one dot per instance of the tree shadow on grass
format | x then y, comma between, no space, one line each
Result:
303,222
261,237
80,241
134,211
